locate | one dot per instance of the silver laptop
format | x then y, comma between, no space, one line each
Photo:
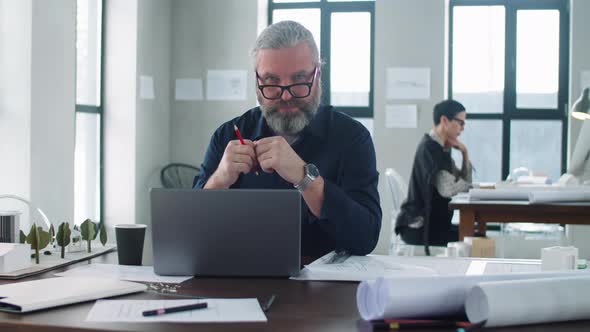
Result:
236,232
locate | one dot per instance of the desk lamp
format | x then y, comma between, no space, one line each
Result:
581,108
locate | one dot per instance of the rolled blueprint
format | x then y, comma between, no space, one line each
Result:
520,194
580,194
517,302
428,296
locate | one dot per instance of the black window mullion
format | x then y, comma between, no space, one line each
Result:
88,109
296,5
370,113
450,51
484,116
101,120
325,32
509,85
563,93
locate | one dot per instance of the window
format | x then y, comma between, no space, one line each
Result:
343,31
88,144
508,65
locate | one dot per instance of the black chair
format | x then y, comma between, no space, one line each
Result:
178,175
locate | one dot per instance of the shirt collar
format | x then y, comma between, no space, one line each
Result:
437,139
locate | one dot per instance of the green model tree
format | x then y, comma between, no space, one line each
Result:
88,230
38,239
103,233
23,237
63,237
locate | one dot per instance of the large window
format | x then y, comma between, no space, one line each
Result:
508,65
343,31
88,146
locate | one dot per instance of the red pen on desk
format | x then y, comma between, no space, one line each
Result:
255,169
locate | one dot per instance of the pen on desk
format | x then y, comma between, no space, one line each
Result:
472,327
416,324
339,257
268,303
162,311
242,141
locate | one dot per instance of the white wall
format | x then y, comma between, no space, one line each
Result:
153,116
208,35
37,98
137,131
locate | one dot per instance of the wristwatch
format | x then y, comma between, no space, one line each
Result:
311,173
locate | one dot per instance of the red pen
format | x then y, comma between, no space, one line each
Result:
242,141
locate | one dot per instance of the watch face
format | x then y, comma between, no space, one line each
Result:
312,170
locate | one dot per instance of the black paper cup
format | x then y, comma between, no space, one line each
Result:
130,239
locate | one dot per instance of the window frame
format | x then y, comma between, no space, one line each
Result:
510,111
98,109
326,9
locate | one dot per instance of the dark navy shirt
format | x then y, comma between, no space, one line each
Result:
343,151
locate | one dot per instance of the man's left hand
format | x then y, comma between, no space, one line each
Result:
275,154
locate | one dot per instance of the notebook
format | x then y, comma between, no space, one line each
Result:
27,296
235,232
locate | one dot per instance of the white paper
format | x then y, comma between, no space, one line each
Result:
218,310
121,272
226,84
401,116
428,296
584,80
146,87
504,303
357,268
407,83
188,89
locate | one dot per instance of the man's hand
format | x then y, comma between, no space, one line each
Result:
275,154
237,158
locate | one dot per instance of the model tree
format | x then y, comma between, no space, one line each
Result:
63,237
51,234
88,230
38,239
103,233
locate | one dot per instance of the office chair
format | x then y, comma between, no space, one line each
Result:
178,175
399,190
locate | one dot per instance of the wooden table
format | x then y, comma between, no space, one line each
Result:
475,214
300,306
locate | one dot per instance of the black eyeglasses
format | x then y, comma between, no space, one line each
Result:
297,90
460,122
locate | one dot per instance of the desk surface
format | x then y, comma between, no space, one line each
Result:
300,306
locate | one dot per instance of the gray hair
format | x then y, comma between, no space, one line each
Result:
285,34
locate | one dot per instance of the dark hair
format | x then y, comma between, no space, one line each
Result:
449,108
